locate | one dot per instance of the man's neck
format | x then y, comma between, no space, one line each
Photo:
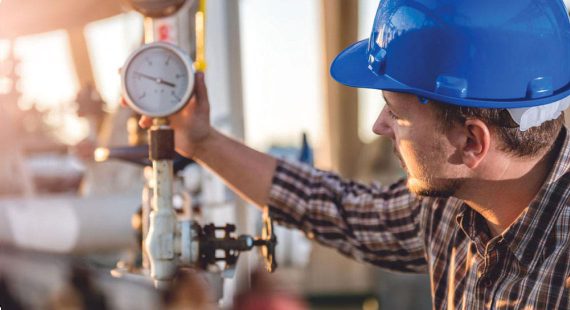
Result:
506,190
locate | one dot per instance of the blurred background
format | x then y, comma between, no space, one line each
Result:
66,219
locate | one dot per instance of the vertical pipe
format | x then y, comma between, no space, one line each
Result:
340,28
200,63
80,56
160,239
148,30
224,79
162,226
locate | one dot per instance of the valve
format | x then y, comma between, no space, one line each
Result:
232,246
267,242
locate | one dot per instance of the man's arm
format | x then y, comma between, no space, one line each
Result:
245,170
382,225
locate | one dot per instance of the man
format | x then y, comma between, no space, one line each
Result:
474,92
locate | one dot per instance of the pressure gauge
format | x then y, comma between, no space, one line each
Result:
157,79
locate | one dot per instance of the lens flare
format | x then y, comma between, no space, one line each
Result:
101,154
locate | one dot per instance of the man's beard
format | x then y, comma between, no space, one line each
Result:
444,188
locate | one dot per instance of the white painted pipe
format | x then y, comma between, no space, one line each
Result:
159,242
67,224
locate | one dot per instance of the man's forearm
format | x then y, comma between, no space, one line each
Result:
245,170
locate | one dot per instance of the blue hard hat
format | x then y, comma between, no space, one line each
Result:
478,53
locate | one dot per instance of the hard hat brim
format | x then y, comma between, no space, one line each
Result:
350,68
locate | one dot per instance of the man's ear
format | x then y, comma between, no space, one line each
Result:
476,144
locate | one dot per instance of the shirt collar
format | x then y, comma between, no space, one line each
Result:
474,227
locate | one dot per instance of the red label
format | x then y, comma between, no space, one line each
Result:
163,32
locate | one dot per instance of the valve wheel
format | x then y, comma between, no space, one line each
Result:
267,249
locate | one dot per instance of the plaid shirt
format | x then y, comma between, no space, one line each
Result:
526,267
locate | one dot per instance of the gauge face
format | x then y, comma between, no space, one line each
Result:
157,80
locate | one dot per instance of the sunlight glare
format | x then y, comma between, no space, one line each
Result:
110,41
48,78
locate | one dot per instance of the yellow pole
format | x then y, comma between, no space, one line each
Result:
200,63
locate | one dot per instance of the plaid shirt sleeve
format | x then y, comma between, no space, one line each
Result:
377,224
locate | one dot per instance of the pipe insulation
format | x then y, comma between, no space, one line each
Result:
67,224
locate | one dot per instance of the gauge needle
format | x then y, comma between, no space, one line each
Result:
157,80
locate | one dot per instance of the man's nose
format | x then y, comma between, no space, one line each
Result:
383,124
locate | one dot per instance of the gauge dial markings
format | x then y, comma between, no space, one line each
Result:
175,96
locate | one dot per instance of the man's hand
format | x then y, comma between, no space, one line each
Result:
245,170
191,124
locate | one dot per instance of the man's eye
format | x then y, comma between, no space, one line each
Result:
392,115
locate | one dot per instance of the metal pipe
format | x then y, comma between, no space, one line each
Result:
161,236
160,239
64,224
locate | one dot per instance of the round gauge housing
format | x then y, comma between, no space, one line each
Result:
157,79
156,8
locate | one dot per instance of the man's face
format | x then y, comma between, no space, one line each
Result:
424,151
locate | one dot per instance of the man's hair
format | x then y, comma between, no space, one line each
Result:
512,140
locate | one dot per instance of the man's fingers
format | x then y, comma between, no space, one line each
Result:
200,88
145,122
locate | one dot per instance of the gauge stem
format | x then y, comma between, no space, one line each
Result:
160,121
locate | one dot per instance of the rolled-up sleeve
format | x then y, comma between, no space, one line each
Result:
377,224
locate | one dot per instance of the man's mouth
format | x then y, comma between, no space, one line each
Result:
397,154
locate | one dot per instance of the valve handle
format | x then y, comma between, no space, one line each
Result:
268,242
136,155
232,246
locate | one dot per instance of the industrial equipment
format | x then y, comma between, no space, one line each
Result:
157,82
194,245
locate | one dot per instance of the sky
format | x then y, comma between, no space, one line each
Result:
282,71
